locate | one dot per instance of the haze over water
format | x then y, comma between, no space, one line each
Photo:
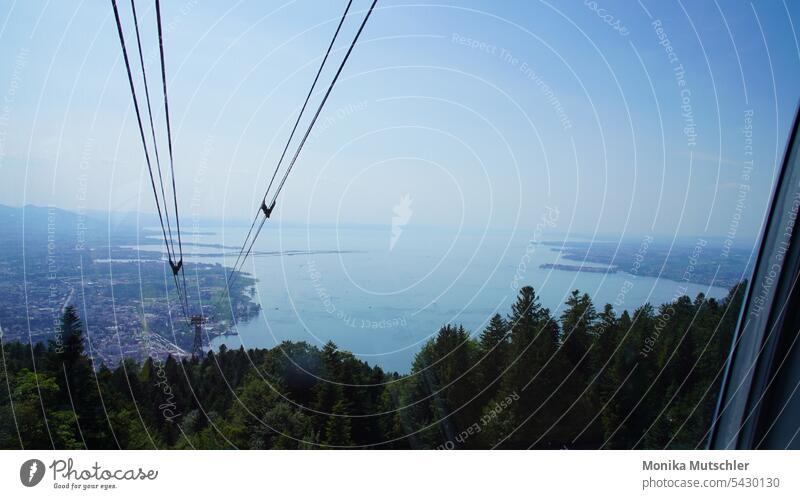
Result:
383,300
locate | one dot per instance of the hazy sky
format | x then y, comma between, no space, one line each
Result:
628,117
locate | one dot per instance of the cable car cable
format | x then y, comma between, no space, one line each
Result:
264,209
307,132
179,265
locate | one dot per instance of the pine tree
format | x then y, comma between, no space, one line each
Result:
327,392
607,339
337,429
495,334
577,323
531,377
632,374
494,344
78,383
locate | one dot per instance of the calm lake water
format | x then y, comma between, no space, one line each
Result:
383,300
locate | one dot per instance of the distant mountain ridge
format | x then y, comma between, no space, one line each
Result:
65,227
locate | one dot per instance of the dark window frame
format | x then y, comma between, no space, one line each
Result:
759,403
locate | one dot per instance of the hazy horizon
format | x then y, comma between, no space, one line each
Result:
547,236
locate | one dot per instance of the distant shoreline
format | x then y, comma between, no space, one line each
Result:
699,262
579,268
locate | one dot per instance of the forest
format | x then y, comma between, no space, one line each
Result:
588,378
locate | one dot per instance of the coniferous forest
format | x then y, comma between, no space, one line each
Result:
589,378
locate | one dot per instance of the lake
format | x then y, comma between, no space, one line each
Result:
381,296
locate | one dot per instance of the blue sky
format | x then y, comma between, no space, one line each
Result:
484,113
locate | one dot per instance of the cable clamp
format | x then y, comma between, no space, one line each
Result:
176,267
267,211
